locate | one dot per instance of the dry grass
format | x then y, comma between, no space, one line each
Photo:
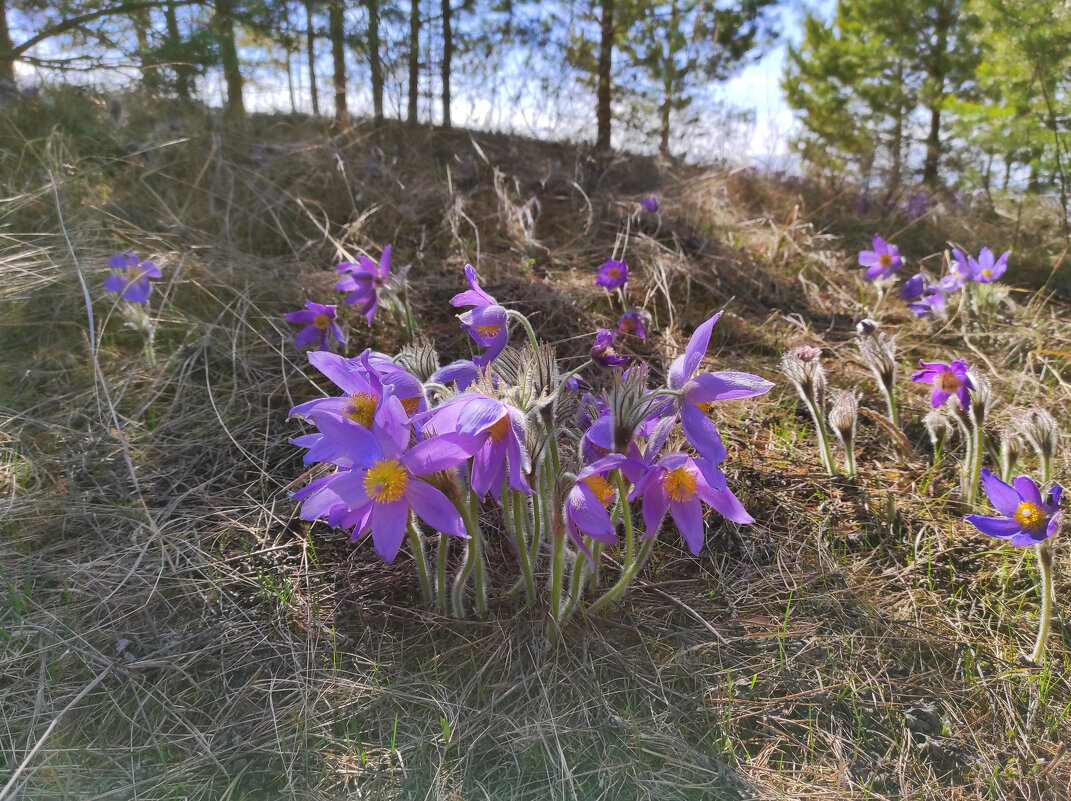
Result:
168,629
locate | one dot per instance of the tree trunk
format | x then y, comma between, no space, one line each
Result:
310,49
414,60
183,71
234,111
336,32
374,65
669,77
7,49
448,53
937,75
606,50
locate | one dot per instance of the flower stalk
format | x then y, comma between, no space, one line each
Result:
1045,587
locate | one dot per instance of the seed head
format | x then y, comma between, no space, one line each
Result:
1041,431
802,364
419,358
878,351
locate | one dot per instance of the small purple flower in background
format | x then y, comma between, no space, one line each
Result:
882,261
917,205
603,352
612,274
913,288
485,322
363,282
678,483
987,269
319,321
131,278
934,301
1026,519
635,322
650,203
948,379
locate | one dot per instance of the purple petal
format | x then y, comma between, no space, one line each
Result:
306,335
388,528
488,469
697,346
867,258
434,508
115,283
391,426
440,453
1000,527
725,503
655,504
1026,487
725,385
1054,525
688,515
589,515
702,434
138,291
1004,499
304,316
478,414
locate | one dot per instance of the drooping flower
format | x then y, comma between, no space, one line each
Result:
130,279
650,203
948,379
678,483
634,321
319,321
913,288
1026,518
587,505
603,352
883,261
502,431
988,269
612,274
699,392
363,281
486,322
377,494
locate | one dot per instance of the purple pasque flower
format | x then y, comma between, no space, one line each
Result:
933,301
364,380
363,281
1026,519
319,321
130,279
699,392
603,352
634,321
677,483
612,274
502,431
650,203
485,322
913,288
959,272
463,371
377,494
882,261
948,379
588,503
988,269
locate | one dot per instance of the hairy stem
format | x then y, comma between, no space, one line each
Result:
1044,550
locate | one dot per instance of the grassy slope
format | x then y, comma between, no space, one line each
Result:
170,630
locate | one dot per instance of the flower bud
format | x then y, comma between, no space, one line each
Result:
419,358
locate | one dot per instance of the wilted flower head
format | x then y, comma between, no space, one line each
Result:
802,364
650,203
130,279
419,357
1040,429
948,379
878,351
363,282
1026,519
635,321
612,274
603,352
486,322
319,321
883,261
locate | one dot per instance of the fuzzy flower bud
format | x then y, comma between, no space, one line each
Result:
1011,448
843,415
802,364
419,358
1040,429
939,427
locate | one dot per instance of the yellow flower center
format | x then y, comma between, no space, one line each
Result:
488,331
499,430
321,321
361,408
706,407
1028,515
386,481
987,273
411,405
885,260
947,381
679,484
601,487
614,272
